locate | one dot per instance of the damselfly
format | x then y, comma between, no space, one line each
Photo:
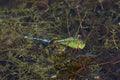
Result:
73,42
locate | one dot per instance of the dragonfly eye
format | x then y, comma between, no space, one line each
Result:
81,44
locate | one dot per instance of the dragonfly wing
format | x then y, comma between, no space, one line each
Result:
65,40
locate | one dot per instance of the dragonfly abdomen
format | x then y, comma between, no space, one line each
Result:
38,39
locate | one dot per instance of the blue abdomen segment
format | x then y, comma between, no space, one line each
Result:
33,38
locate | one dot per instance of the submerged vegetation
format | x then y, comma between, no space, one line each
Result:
96,21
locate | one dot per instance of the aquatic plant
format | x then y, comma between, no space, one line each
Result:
52,28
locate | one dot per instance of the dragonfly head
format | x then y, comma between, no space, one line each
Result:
81,44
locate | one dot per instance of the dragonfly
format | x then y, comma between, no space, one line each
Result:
72,42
